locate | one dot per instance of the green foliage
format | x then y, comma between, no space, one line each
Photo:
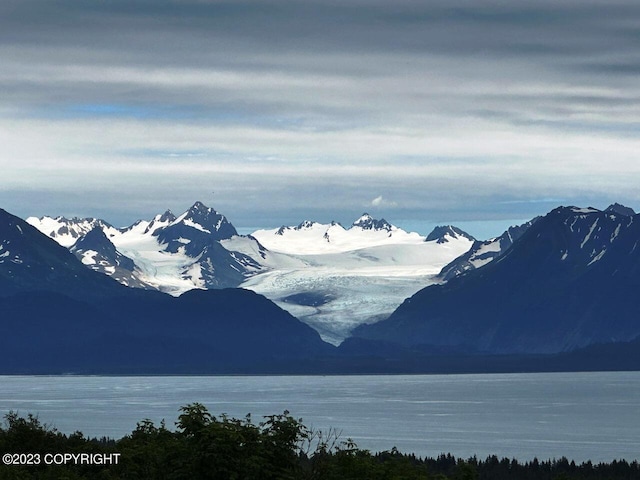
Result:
209,447
280,447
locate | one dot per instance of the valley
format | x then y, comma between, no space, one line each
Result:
362,273
543,295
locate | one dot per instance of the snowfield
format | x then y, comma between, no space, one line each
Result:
311,238
170,272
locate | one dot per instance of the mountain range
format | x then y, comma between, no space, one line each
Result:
58,316
168,253
331,277
557,292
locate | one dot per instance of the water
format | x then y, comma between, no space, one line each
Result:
582,416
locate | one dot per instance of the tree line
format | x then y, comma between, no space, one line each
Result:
204,446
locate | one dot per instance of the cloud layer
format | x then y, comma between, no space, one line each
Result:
456,110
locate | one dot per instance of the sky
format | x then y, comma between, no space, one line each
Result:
478,113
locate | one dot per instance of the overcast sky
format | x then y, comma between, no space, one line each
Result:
421,112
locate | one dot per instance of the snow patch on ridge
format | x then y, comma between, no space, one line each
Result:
584,210
190,223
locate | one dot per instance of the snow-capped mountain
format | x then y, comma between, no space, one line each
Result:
67,231
30,261
172,254
96,251
198,224
57,316
620,209
331,277
313,238
483,252
569,281
367,222
447,233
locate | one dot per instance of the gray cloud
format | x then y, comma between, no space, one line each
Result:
470,109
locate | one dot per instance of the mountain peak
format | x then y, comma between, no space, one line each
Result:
367,222
620,209
95,250
92,239
441,232
198,206
206,219
158,222
305,224
198,221
200,213
167,216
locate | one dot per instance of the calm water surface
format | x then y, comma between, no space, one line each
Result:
581,416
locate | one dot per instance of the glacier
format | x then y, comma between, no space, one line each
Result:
330,277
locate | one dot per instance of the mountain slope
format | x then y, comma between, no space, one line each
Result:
483,252
60,316
31,261
569,281
97,252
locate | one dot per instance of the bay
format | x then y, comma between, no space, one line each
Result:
582,416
